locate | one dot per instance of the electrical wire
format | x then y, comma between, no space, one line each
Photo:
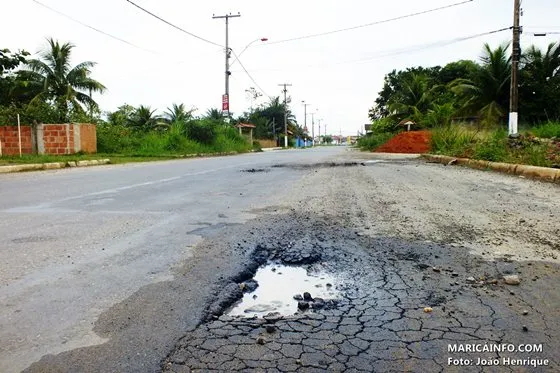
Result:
423,47
404,50
370,24
248,74
172,25
539,33
93,28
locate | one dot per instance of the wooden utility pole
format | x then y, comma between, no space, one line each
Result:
515,57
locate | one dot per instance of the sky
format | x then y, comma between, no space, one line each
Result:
338,74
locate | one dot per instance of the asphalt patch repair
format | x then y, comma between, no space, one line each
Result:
402,306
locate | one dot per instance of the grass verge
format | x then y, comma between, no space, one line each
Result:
372,141
496,146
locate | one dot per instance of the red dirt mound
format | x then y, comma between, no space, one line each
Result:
414,142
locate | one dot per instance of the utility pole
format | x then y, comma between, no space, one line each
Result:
515,57
320,120
305,117
273,128
285,90
225,97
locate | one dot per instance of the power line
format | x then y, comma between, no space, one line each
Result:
405,50
249,75
422,47
371,24
172,25
91,27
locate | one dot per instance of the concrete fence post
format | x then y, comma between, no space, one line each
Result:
77,138
40,138
67,138
34,149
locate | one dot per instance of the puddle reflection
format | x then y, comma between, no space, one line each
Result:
277,286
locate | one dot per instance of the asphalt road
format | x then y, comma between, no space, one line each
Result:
128,268
76,242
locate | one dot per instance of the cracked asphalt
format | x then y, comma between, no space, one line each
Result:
379,323
418,252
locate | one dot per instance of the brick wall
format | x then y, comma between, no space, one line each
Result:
88,138
10,142
51,139
58,138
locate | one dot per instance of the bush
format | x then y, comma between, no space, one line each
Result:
203,131
384,125
548,130
116,139
453,140
374,140
439,115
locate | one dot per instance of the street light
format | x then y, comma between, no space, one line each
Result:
246,47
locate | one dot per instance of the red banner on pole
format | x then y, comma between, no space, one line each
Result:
225,103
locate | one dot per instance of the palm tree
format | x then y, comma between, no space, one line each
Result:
540,83
57,82
415,98
144,119
178,114
214,114
487,94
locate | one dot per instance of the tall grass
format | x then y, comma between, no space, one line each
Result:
454,140
119,140
546,130
492,145
374,140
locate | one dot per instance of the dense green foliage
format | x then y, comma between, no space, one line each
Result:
269,120
50,89
472,91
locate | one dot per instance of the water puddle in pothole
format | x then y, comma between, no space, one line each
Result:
277,285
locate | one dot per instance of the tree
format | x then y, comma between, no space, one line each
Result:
487,94
414,98
269,119
178,114
144,119
394,84
9,62
540,84
214,114
55,81
122,116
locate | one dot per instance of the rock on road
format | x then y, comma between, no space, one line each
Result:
128,268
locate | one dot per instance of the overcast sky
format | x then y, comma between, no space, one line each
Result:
338,74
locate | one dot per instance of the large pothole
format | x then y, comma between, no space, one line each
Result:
285,290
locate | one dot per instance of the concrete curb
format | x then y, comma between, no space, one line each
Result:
271,149
540,173
51,166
